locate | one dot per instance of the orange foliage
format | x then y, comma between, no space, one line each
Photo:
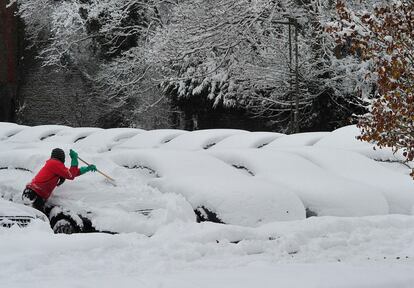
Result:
386,39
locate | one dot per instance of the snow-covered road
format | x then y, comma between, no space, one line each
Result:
375,251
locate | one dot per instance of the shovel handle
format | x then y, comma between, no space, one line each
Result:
97,170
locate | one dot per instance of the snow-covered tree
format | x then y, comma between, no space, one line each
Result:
236,54
72,31
232,53
105,40
385,40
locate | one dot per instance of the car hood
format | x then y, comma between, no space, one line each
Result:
10,209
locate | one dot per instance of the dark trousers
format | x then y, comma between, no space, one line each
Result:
30,198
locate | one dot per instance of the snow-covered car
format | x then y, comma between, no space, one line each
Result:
8,130
30,137
345,138
297,140
90,203
36,133
323,193
18,214
247,140
150,139
105,140
200,139
396,188
216,191
72,135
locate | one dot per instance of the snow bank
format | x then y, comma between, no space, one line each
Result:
297,140
397,189
200,139
311,275
210,183
320,252
104,140
321,191
247,140
150,139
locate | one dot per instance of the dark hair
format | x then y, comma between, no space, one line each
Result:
58,154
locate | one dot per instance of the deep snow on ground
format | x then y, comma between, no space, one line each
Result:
375,251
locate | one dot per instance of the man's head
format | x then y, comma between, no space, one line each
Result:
58,154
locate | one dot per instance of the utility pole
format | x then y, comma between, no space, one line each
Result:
295,110
295,101
296,116
290,75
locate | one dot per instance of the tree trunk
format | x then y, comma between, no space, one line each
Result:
8,61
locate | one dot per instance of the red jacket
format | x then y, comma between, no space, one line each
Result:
46,180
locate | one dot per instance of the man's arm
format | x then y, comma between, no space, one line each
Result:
75,163
59,169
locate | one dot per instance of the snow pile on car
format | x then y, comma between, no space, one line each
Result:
150,139
200,139
214,187
321,191
13,214
346,138
369,175
247,140
104,140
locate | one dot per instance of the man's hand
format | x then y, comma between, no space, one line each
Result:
73,154
61,181
74,158
92,168
85,169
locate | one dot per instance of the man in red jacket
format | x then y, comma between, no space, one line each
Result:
53,174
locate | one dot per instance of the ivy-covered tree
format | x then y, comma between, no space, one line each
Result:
383,39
